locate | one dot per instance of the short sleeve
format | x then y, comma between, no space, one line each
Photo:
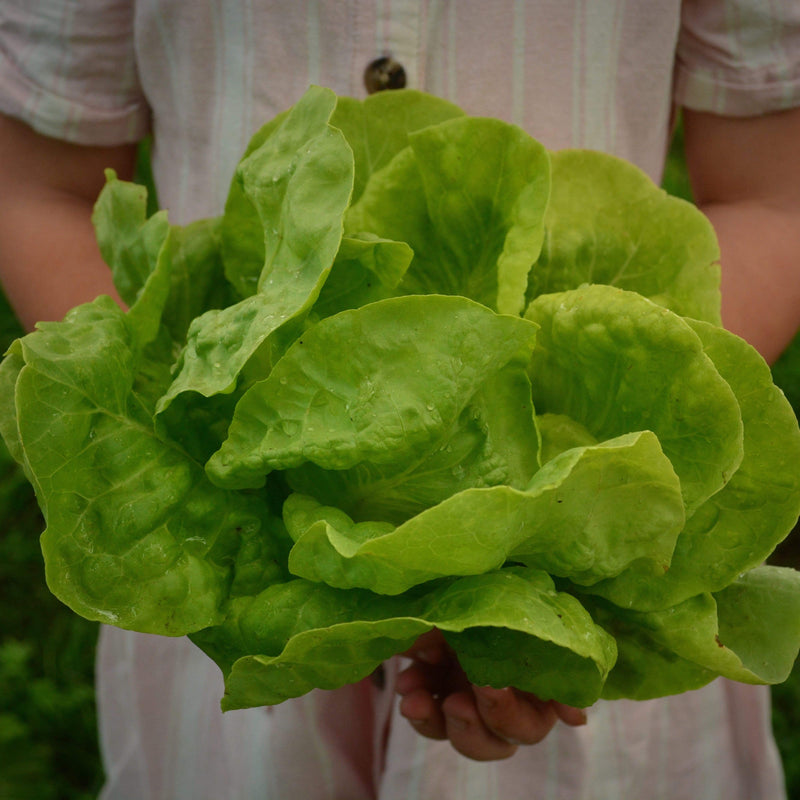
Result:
68,69
738,57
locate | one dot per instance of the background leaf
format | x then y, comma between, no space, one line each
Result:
469,196
608,223
615,362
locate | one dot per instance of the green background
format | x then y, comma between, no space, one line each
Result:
48,736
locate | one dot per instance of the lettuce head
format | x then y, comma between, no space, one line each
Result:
421,372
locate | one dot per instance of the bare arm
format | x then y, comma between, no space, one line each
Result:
745,176
49,259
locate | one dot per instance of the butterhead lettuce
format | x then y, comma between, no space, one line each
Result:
420,373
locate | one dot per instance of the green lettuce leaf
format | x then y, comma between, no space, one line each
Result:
10,368
574,519
590,526
492,441
300,635
181,265
197,280
298,178
299,181
378,384
607,222
737,528
366,269
226,349
560,433
377,127
749,632
136,535
759,620
615,362
138,250
475,224
242,239
130,242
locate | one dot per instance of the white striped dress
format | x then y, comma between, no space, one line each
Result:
202,76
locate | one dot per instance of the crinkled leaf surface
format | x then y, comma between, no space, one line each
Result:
749,632
616,362
136,535
366,269
299,181
574,519
197,281
607,222
220,345
376,129
241,228
598,508
378,384
139,252
378,126
300,635
559,433
229,347
492,441
469,196
298,178
739,526
166,272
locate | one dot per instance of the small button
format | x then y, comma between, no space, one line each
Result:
384,73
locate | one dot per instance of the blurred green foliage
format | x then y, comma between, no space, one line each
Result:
48,734
675,179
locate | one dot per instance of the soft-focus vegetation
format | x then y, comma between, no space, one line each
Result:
48,738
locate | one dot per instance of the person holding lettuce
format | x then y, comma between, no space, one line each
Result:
79,87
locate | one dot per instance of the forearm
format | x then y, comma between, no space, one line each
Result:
49,258
746,177
760,248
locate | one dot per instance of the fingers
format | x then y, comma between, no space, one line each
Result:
434,669
481,723
569,714
424,712
513,716
520,717
419,687
430,648
435,675
469,733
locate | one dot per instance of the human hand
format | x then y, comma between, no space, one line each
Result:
481,723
